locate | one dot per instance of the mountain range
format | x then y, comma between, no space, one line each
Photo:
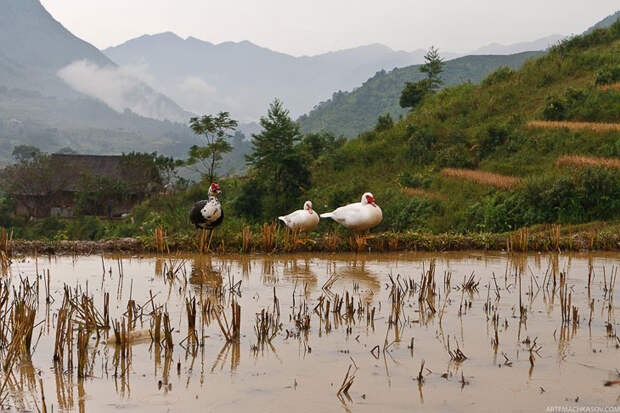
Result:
243,78
350,113
57,90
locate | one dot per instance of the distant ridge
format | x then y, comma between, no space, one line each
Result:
605,23
243,78
350,113
538,44
94,108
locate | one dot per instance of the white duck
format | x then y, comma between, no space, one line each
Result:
303,220
359,216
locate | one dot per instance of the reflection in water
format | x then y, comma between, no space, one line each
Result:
485,328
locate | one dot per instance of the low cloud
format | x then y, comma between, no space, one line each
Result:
121,89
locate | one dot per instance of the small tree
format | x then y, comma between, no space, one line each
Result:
277,159
413,93
433,68
25,152
216,130
384,122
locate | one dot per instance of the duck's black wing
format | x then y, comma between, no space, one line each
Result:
196,217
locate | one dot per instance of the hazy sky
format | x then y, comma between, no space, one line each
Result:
315,26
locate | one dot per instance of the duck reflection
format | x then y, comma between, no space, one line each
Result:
204,274
357,274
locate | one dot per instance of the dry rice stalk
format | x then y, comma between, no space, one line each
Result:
347,382
482,177
160,239
246,240
582,161
597,127
4,249
269,236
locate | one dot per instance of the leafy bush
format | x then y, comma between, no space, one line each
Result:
455,156
555,109
416,180
607,75
404,213
586,105
502,74
384,122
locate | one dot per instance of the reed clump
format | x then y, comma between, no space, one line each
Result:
269,236
160,239
482,177
349,378
232,330
4,248
267,326
246,239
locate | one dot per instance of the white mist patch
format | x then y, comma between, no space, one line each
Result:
120,89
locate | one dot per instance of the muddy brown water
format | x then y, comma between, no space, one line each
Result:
302,371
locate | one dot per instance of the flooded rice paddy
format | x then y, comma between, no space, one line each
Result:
332,332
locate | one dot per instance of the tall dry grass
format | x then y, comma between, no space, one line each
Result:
482,177
613,86
597,127
582,161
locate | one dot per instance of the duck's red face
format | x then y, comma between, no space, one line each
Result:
371,200
215,188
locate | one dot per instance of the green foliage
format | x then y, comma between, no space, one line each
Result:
384,122
416,180
278,161
215,130
588,105
95,194
502,74
404,213
24,153
142,169
413,93
316,145
568,198
433,67
350,113
608,75
455,156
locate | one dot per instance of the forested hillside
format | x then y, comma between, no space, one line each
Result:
549,131
349,113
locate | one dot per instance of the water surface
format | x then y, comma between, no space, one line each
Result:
302,370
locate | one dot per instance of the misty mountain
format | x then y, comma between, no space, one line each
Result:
538,44
350,113
243,78
34,46
57,91
38,54
605,23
